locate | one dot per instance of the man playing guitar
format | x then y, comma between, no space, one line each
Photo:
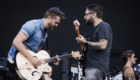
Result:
32,36
98,45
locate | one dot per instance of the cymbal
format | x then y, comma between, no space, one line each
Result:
115,53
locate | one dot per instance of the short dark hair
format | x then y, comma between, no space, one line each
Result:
97,9
53,12
127,54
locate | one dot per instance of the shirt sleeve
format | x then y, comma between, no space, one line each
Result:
104,32
28,29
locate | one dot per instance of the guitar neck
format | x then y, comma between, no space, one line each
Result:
78,34
81,46
52,59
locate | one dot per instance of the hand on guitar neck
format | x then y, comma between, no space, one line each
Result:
56,62
81,40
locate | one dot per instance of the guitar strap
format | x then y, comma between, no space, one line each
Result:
47,46
93,30
90,36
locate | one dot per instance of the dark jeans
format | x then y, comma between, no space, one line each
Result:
12,70
94,74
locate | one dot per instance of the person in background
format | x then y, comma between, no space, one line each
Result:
129,60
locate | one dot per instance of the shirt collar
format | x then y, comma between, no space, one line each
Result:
42,25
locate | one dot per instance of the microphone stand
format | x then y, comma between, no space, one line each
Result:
79,69
80,75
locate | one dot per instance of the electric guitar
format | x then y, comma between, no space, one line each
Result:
26,69
77,25
81,63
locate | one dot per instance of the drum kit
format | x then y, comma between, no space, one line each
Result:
119,75
109,76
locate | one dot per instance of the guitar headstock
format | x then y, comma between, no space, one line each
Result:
76,55
76,24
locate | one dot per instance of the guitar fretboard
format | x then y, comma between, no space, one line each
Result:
52,59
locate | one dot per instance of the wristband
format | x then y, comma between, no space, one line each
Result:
86,44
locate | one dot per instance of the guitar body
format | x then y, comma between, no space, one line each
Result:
27,71
83,56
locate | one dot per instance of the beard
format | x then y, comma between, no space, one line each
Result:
90,21
50,26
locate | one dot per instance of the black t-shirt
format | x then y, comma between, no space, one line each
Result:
99,58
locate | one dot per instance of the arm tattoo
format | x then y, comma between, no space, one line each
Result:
129,76
98,45
103,40
95,45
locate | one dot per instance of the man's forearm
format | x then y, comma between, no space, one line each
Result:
101,45
95,45
22,49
